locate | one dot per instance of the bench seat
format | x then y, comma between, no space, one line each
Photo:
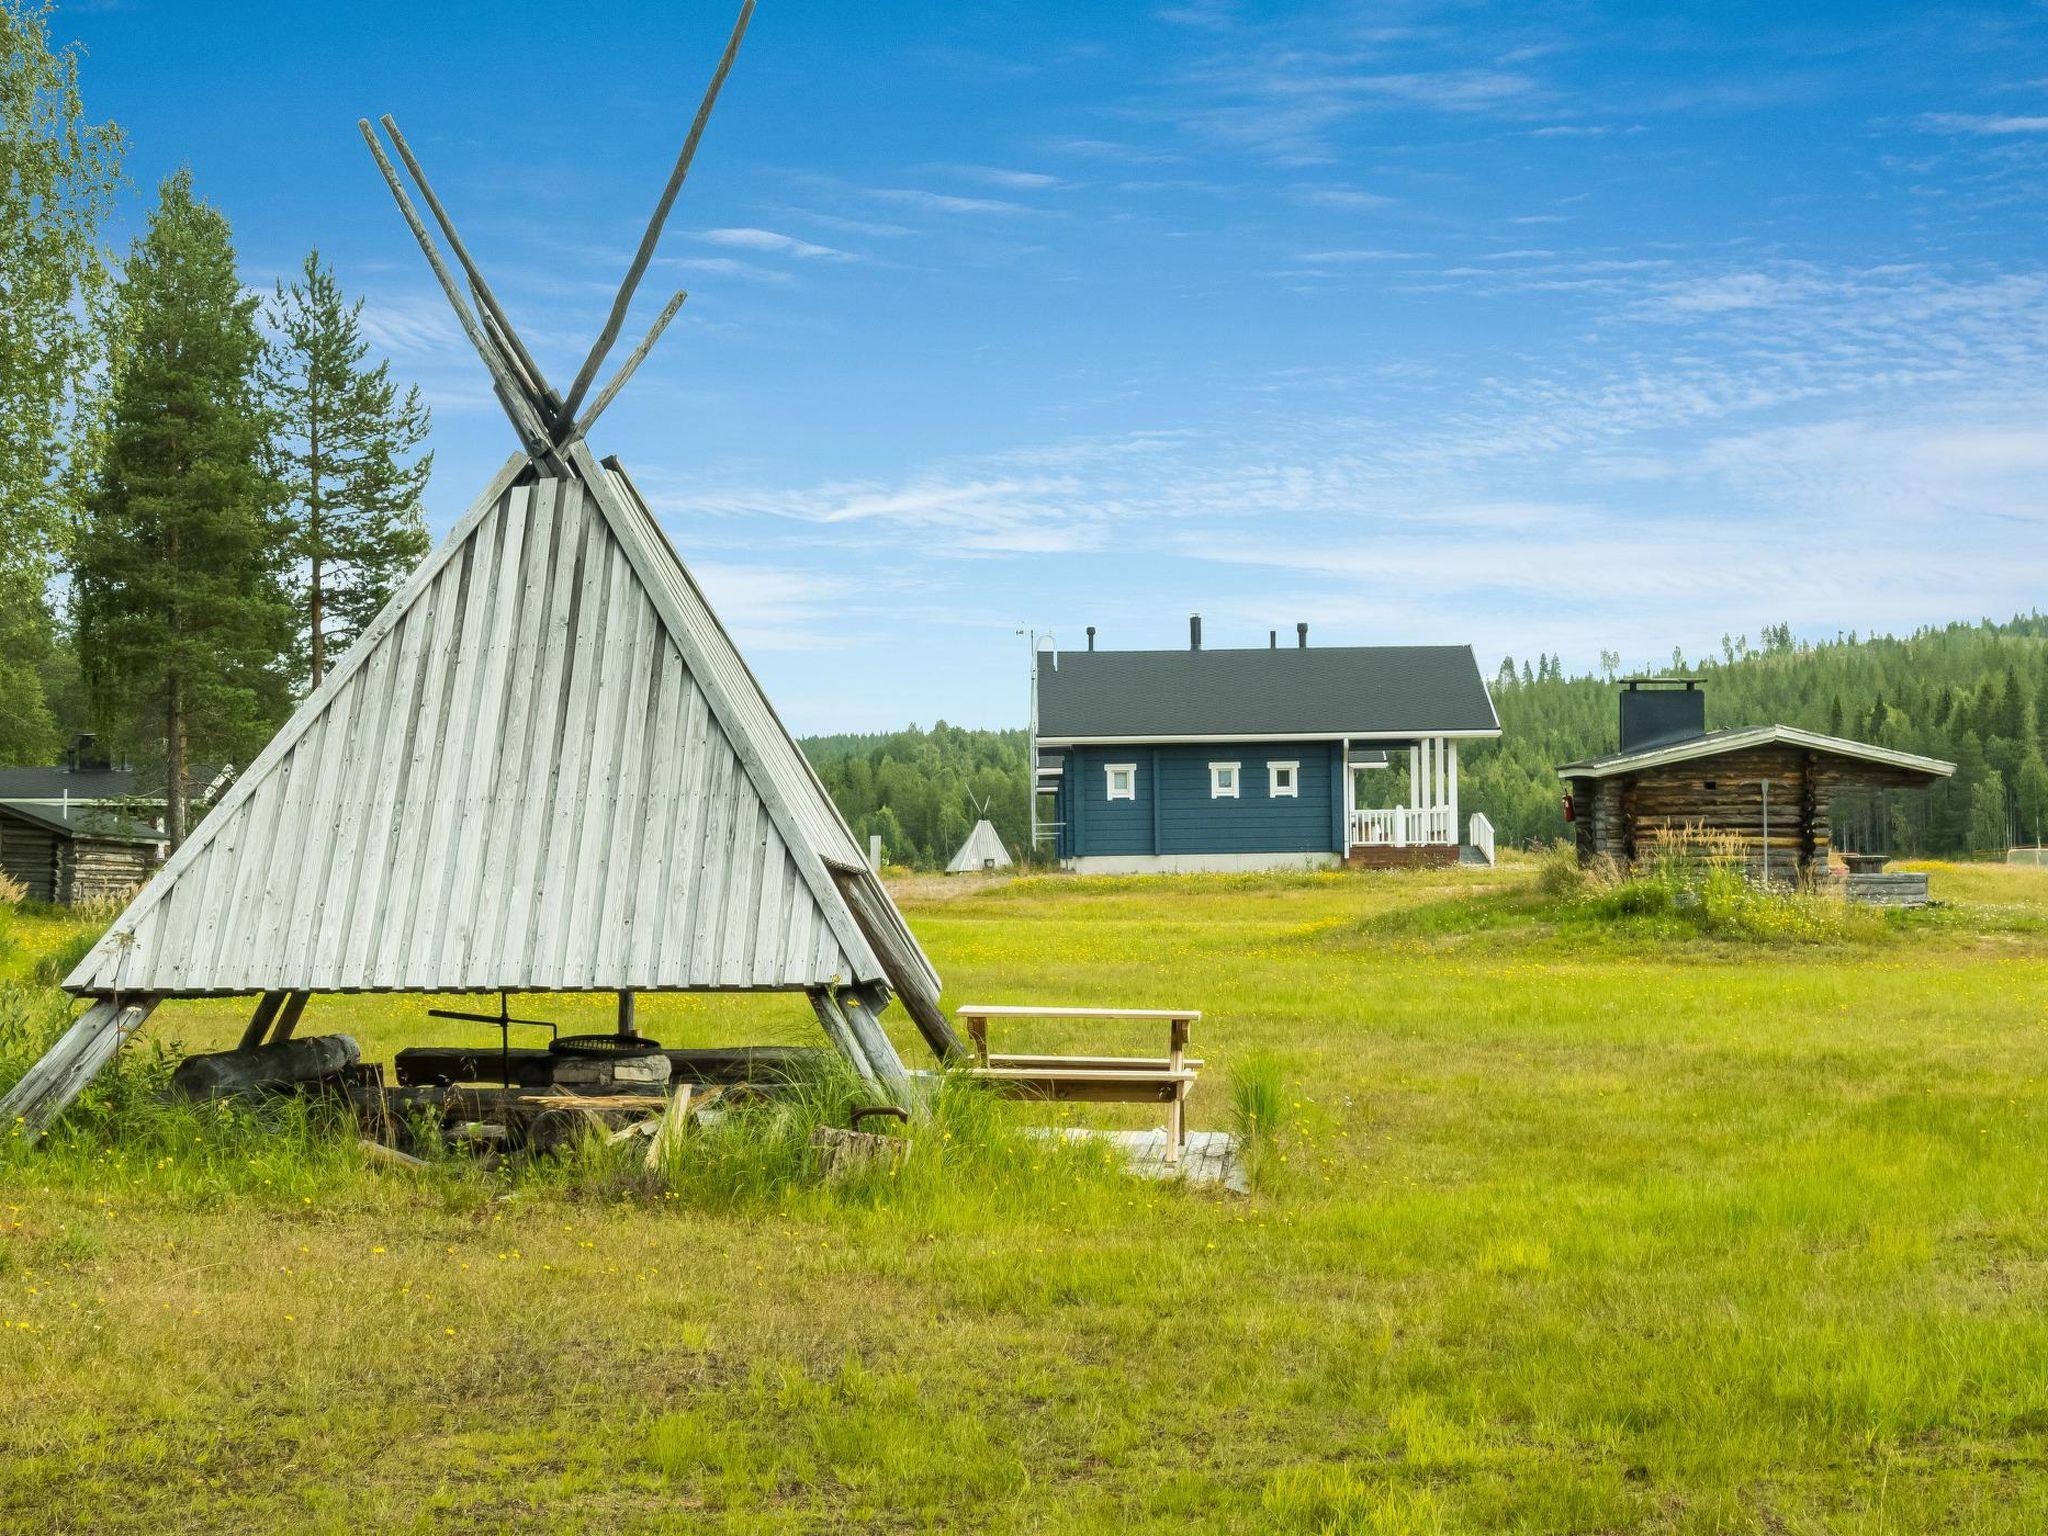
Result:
1092,1079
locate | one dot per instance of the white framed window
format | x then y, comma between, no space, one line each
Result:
1123,780
1224,779
1283,781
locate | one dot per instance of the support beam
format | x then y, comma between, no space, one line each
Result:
610,392
259,1021
294,1007
840,1033
486,301
525,413
860,1007
652,237
47,1089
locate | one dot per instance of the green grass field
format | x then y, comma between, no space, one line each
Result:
1567,1227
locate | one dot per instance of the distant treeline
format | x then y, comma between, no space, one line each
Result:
918,789
1968,693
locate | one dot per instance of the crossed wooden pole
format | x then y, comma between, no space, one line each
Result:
547,422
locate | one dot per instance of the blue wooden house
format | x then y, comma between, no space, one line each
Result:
1253,759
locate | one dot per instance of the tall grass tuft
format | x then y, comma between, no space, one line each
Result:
1258,1108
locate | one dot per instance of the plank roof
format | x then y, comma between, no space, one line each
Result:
1361,691
544,766
1713,744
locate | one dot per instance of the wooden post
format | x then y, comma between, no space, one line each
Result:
977,1032
645,254
860,1011
840,1033
259,1021
1177,1112
48,1087
288,1021
1451,798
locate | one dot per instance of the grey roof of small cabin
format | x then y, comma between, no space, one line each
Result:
1719,743
1361,691
82,819
61,784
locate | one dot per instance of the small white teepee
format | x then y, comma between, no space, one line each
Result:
982,850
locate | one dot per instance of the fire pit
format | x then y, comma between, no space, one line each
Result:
623,1060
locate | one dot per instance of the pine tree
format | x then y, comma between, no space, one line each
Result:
58,174
343,456
182,623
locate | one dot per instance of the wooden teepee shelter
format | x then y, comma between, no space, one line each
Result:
543,767
982,849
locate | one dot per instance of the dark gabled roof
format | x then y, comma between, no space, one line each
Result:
62,784
1719,743
80,820
1355,690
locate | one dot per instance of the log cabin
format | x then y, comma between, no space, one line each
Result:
1768,787
75,853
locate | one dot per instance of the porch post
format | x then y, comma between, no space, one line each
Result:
1350,794
1451,799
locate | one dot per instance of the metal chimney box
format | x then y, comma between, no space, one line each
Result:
1656,711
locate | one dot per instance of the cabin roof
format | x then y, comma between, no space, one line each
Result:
82,819
60,784
1721,743
1390,692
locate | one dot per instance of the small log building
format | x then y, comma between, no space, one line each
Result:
76,853
1769,787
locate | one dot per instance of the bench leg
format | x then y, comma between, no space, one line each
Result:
1176,1123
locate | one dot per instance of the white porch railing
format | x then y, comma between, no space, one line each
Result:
1401,827
1482,835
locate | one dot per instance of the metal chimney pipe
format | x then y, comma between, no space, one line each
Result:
1301,636
1194,631
1091,637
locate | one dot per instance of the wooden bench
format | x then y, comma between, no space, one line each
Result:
1093,1079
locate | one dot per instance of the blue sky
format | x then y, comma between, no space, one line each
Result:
1544,327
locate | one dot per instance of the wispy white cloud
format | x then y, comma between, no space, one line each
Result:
726,266
778,244
1985,123
999,176
1340,197
945,202
410,325
1347,257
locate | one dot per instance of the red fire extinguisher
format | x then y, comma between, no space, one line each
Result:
1571,812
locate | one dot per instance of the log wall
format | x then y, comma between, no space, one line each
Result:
90,870
28,853
1628,817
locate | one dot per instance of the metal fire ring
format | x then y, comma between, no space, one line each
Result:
605,1045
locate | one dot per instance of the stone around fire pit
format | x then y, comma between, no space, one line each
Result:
627,1073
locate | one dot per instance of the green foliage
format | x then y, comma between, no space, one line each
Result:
344,454
58,174
182,623
919,789
1967,693
1696,888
